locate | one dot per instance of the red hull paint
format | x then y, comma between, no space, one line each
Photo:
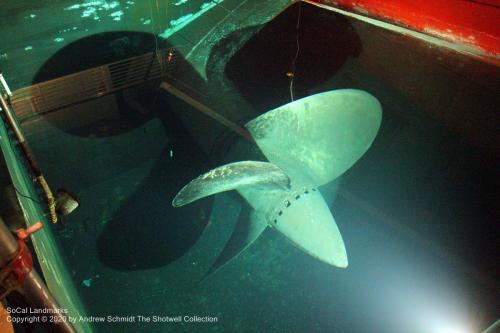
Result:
473,23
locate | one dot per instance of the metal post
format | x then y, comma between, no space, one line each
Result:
11,120
5,85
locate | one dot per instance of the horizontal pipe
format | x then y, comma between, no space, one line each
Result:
206,110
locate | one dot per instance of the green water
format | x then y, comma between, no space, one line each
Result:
416,212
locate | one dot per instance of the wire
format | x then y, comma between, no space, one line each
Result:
153,29
25,196
297,28
8,138
158,52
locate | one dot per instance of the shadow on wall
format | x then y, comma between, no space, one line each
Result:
94,51
145,231
259,69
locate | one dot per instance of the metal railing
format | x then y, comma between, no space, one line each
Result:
75,88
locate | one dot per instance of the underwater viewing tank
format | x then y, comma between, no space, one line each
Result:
250,166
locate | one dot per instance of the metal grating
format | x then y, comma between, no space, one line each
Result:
88,84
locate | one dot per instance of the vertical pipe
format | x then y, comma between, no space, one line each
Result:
11,120
31,160
33,289
5,85
8,245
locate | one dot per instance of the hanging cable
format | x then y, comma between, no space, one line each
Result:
158,51
15,188
297,28
154,32
25,196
